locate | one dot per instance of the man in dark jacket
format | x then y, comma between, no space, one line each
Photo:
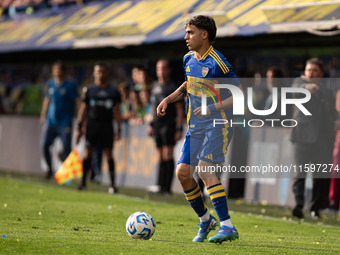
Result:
313,138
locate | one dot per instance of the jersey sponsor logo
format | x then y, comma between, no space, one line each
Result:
205,71
107,104
209,156
188,69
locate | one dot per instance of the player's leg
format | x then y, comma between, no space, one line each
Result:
193,195
219,200
161,143
48,136
322,155
91,140
214,147
301,157
192,192
168,155
87,161
161,168
97,164
65,134
110,160
106,138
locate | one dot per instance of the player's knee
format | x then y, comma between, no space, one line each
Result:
183,172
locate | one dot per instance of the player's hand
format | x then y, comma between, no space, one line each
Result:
161,108
312,87
42,119
198,112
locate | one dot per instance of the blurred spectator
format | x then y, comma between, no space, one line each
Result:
57,113
260,92
141,95
145,96
32,96
100,106
273,76
145,79
166,130
126,107
313,137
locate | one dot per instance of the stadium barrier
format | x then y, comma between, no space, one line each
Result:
136,158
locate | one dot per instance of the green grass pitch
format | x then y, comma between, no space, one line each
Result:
38,218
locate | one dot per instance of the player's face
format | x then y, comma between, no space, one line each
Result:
162,69
193,37
57,71
100,74
135,75
313,71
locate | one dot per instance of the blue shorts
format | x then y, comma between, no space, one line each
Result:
208,145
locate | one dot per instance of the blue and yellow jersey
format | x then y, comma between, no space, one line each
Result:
201,76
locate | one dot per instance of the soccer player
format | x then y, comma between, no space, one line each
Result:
101,104
57,112
204,145
166,130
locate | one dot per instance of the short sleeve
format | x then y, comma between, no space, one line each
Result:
227,71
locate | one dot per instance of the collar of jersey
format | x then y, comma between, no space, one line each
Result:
205,54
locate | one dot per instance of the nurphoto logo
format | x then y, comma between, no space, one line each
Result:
239,102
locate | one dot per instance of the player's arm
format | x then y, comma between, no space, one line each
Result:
82,114
77,103
175,96
46,103
226,104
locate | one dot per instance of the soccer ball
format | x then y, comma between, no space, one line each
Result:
140,225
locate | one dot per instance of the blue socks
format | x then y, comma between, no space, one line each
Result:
219,201
194,197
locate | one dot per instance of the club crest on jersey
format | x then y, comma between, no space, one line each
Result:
205,71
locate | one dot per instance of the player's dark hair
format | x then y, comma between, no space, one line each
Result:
206,23
316,61
59,63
